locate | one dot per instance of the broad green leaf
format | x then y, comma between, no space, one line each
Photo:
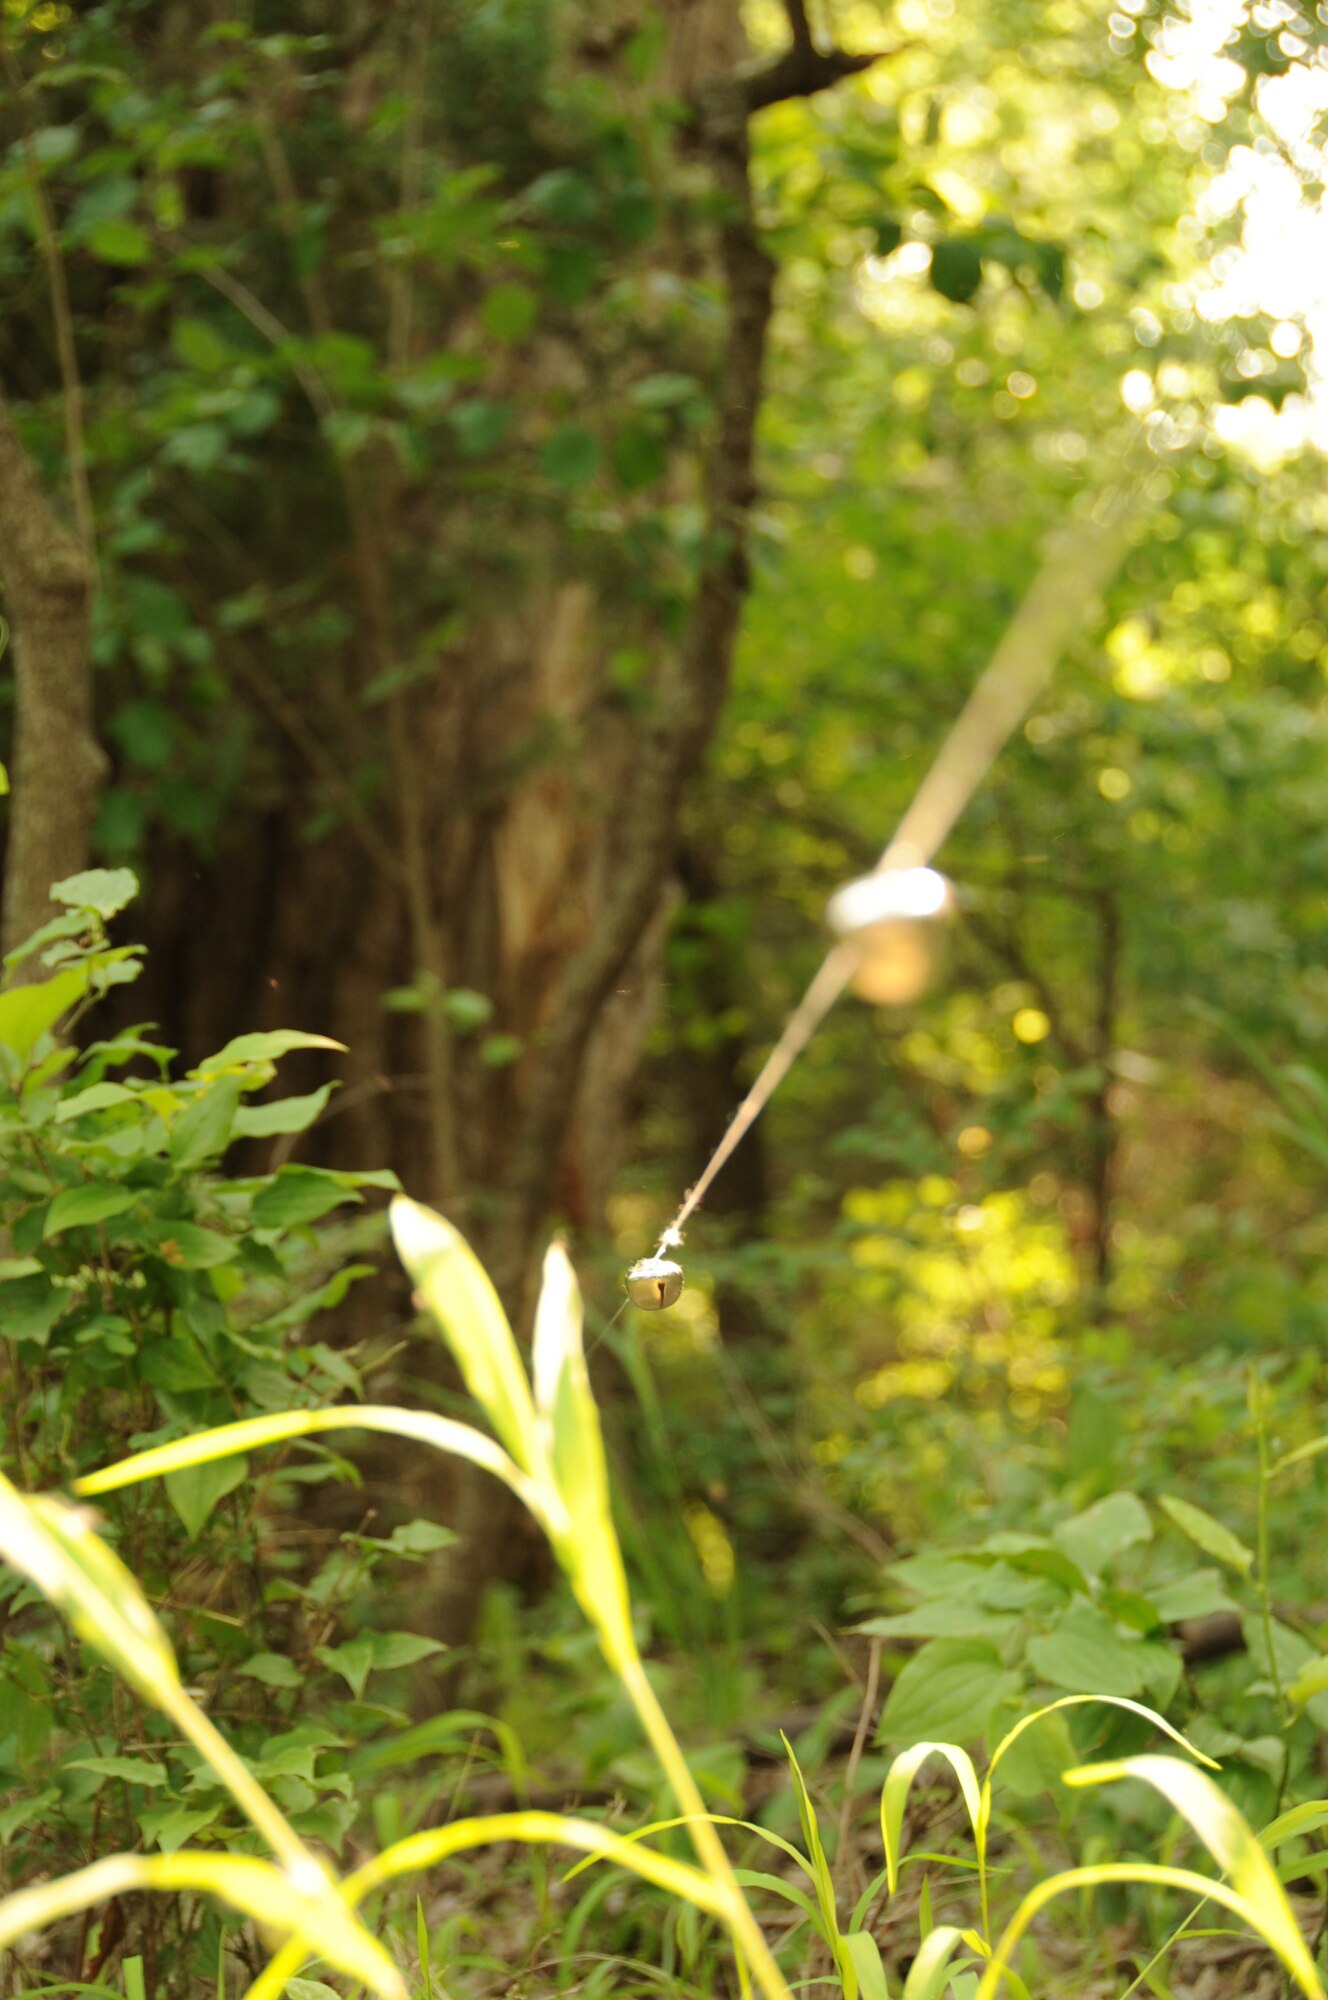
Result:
287,1114
23,1811
273,1670
1198,1595
264,1048
195,1491
354,1661
929,1974
80,1207
569,456
259,1890
1310,1681
509,311
133,1770
948,1691
898,1783
27,1012
105,890
456,1289
119,241
299,1195
1087,1654
187,1245
14,1268
1094,1538
402,1649
1208,1534
97,1097
1229,1839
202,1132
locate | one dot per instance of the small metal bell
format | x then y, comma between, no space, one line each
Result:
653,1283
889,921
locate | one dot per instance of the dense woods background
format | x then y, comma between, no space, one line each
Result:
500,502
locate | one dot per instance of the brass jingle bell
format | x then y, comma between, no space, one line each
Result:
889,921
653,1283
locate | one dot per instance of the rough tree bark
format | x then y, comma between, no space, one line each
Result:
46,585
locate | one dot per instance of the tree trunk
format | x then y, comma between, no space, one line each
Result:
474,641
57,766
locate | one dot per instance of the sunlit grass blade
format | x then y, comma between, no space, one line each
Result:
256,1888
251,1433
788,1892
714,1819
1302,1819
428,1849
931,1970
456,1288
1232,1843
57,1547
898,1783
588,1549
863,1953
1097,1876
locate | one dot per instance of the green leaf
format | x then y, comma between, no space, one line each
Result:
419,1538
1094,1538
509,311
353,1660
948,1691
1087,1654
29,1011
13,1268
201,1133
105,890
570,455
22,1811
119,241
188,1246
287,1114
79,1207
264,1048
97,1097
198,345
195,1491
299,1195
1208,1534
1198,1595
273,1670
133,1770
956,269
402,1649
